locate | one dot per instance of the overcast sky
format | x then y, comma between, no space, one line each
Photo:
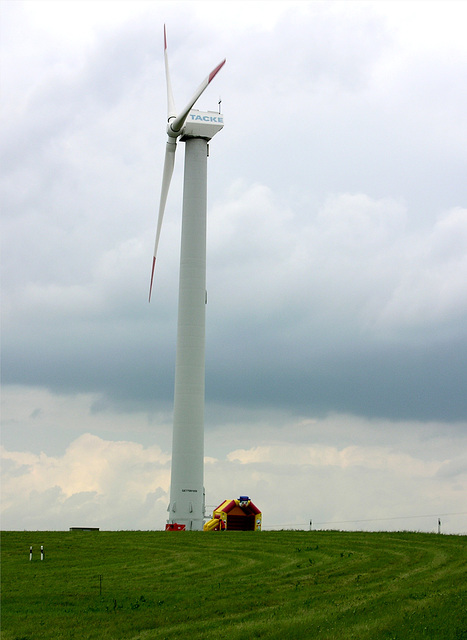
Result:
336,364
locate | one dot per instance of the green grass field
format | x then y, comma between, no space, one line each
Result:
278,584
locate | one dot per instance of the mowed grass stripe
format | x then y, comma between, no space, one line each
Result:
275,584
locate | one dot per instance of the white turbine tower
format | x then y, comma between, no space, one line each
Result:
195,128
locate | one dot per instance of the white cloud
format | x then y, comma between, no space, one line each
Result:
336,468
100,480
45,423
347,487
376,458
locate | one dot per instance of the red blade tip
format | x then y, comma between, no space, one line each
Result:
152,277
215,71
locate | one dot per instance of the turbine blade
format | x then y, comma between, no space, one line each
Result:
169,162
171,111
179,121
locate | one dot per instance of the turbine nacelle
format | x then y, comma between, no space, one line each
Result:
202,124
199,124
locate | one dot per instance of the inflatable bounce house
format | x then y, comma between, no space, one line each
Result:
235,515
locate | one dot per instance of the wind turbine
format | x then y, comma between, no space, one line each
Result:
195,128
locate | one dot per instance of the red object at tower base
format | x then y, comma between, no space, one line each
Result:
173,526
